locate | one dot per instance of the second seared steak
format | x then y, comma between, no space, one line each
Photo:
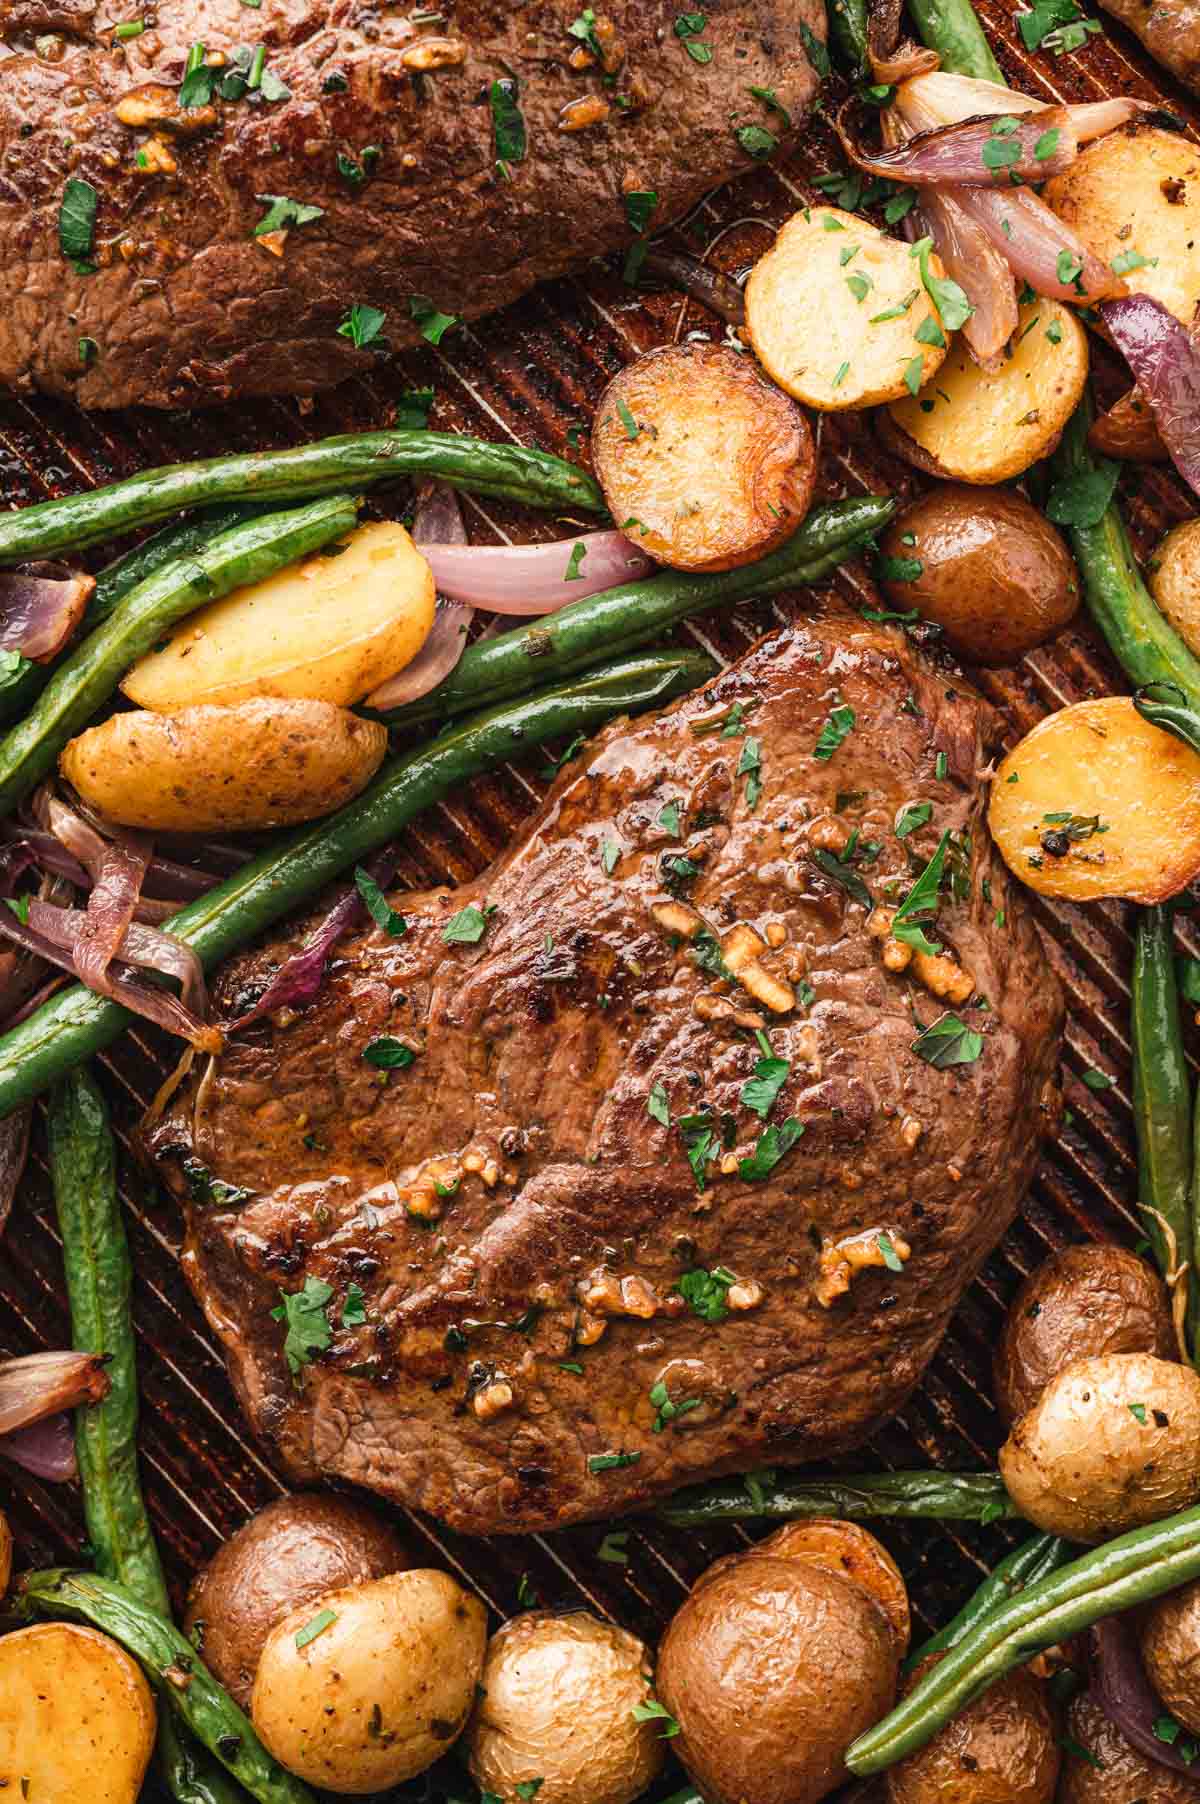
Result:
565,1260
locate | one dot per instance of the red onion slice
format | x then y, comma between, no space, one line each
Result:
40,608
437,520
536,579
971,153
1165,360
47,1449
1124,1693
118,869
711,287
1032,240
42,1384
982,273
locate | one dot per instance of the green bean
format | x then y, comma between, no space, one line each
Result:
634,613
1140,637
181,539
89,675
1134,1569
952,29
1162,1099
330,466
943,1496
75,1023
199,1703
848,29
1024,1566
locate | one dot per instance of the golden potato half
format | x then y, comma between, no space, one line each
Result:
256,764
1174,578
834,309
1097,802
77,1719
328,629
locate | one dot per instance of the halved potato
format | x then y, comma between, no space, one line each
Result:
1097,802
1136,193
328,629
834,308
853,1551
1174,577
981,426
703,464
76,1717
257,764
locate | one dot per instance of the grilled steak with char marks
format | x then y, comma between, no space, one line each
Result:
495,1239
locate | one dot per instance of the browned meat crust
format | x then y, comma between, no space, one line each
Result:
547,1268
388,129
1170,30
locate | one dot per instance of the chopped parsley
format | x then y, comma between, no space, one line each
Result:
354,1309
772,1145
508,121
203,1187
386,1054
308,1329
639,207
749,765
913,372
1069,268
377,904
77,224
912,816
316,1625
627,420
611,1462
433,325
841,873
860,287
761,1091
953,307
362,325
1138,1412
699,1136
611,1550
1098,1080
668,819
528,1788
356,173
658,1105
283,213
688,27
756,140
891,1257
653,1712
896,312
1083,500
573,572
668,1412
705,1292
1124,261
815,51
468,926
837,729
770,99
948,1041
1057,24
920,904
412,410
840,374
610,853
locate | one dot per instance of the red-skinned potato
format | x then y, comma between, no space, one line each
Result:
1101,1767
1000,1750
771,1669
1171,1652
853,1552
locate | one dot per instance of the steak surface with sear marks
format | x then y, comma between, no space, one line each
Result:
516,1220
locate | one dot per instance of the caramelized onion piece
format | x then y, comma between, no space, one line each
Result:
1165,360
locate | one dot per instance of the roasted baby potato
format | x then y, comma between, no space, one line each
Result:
1101,1767
985,566
6,1549
1128,431
1097,802
77,1718
1174,576
979,426
702,463
1080,1303
851,1550
366,1686
1132,195
771,1669
1000,1750
556,1706
1112,1443
326,630
204,770
286,1556
1171,1652
816,307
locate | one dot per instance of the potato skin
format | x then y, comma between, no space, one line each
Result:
995,575
1171,1652
1127,430
1124,1775
771,1669
1174,577
853,1552
1081,1302
1082,1464
381,1692
558,1693
253,765
77,1717
722,466
286,1556
1000,1750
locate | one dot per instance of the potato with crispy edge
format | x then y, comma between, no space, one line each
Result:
838,315
1136,193
1174,578
77,1718
771,1668
328,629
1000,1750
556,1709
1128,430
366,1686
1101,1767
1080,1303
287,1555
1111,1444
256,764
703,464
985,566
1170,1637
1095,801
852,1551
980,426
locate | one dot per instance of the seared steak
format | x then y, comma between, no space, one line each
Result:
525,1277
1170,30
376,151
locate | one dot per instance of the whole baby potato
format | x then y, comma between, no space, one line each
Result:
287,1555
853,1552
1107,1769
1001,1749
1171,1652
1111,1444
771,1669
366,1686
556,1706
985,566
1080,1302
